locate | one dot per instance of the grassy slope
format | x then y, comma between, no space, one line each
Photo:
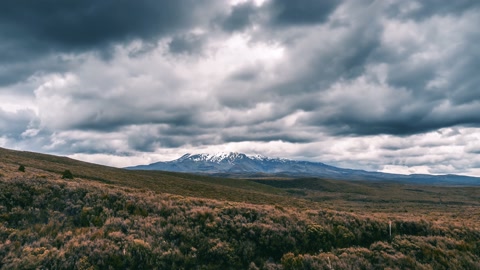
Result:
108,216
360,197
165,182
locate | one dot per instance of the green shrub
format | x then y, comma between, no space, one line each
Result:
21,168
67,174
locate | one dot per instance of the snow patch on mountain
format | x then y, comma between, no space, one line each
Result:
230,157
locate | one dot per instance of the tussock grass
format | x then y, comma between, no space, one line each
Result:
108,217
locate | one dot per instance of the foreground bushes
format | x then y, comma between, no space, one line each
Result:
66,224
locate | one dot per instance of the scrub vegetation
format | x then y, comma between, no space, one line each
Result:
107,218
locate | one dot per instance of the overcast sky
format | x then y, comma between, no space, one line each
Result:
390,85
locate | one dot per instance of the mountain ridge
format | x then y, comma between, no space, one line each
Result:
236,164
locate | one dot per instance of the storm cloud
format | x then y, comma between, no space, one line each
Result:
378,85
33,30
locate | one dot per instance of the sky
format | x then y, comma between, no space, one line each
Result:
390,85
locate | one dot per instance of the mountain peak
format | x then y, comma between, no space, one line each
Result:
230,157
184,157
217,157
258,157
235,162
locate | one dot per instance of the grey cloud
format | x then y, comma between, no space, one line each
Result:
99,98
464,81
346,125
278,14
33,30
19,69
445,70
87,146
240,17
77,25
413,104
266,137
423,9
314,63
304,12
240,95
272,129
473,149
243,88
148,138
350,121
433,150
247,74
73,141
141,138
317,60
410,75
111,118
189,44
13,124
14,74
395,145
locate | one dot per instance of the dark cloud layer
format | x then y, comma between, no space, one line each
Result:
285,12
79,25
239,17
12,125
124,77
411,75
188,44
420,10
32,30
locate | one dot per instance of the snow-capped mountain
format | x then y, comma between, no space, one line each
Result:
225,163
229,164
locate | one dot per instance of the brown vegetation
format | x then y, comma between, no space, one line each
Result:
51,223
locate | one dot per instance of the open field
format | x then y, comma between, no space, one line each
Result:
382,197
107,217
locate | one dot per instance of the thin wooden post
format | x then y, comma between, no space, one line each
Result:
390,229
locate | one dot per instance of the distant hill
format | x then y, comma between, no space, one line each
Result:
252,166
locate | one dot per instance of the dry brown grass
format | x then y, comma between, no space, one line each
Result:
108,216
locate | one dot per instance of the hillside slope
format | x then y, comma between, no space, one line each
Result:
107,217
165,182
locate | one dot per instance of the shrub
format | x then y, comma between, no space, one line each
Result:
21,168
67,174
79,225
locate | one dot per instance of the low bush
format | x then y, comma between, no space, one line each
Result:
61,224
